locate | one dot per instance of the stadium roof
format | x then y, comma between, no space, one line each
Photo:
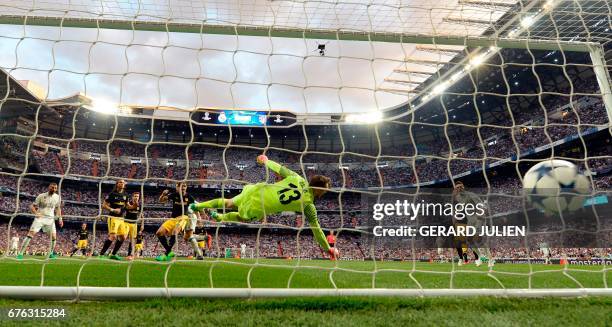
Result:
282,73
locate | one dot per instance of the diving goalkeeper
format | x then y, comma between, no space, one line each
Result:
292,193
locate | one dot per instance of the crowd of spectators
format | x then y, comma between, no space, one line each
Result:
436,159
269,244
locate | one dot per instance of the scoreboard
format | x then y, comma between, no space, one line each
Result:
244,117
249,118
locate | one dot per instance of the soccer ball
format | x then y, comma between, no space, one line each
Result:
555,186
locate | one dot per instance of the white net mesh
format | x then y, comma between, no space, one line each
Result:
386,99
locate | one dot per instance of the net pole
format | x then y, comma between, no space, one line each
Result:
603,78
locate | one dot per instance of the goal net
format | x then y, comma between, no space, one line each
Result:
409,108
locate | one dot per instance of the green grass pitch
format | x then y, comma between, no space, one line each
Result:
315,274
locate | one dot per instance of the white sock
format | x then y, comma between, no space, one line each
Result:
487,252
25,244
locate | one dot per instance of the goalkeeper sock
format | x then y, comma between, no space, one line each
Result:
230,216
53,246
118,244
171,244
164,242
73,252
105,247
25,244
130,248
195,247
212,204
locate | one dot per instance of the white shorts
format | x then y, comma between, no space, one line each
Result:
193,221
14,247
46,224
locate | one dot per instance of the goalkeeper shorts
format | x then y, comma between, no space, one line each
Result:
249,203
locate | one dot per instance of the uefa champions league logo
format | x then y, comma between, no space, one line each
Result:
222,117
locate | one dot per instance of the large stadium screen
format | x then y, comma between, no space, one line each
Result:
244,117
249,118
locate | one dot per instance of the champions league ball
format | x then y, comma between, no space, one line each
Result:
555,186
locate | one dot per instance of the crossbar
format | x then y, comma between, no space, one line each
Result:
273,31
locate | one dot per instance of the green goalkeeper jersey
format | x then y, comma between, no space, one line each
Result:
290,194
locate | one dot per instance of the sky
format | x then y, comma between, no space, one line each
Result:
186,70
224,71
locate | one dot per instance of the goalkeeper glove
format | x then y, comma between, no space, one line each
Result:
262,159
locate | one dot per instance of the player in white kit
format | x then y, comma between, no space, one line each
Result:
46,208
14,245
242,250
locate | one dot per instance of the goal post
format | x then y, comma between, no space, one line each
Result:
87,293
602,73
